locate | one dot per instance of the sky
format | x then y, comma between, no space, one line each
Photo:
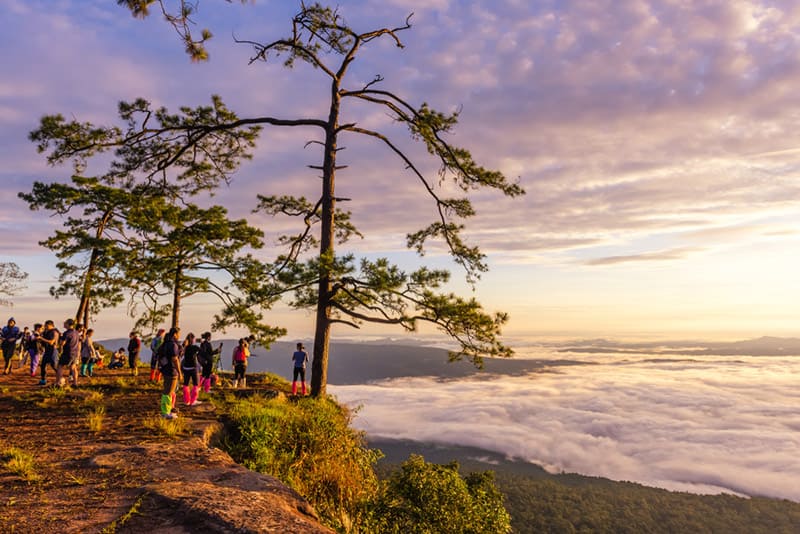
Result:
656,141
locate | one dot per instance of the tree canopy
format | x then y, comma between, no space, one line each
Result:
12,280
203,145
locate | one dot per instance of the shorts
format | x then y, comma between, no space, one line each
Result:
170,384
67,360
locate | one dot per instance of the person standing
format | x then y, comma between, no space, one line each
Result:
49,338
156,342
70,352
240,354
22,349
11,335
169,363
35,347
88,354
190,369
134,347
206,360
300,359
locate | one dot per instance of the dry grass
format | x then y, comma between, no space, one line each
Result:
95,418
20,463
170,428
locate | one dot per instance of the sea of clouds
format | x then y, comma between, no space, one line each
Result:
705,425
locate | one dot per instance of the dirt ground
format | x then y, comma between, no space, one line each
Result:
101,459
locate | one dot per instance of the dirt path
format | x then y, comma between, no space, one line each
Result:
109,476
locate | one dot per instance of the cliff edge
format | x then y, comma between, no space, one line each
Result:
98,458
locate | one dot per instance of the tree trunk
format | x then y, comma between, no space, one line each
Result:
82,315
176,297
322,331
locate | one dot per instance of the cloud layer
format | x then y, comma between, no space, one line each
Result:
706,426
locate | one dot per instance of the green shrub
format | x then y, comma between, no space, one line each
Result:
310,446
422,497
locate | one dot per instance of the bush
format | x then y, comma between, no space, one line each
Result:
421,497
310,446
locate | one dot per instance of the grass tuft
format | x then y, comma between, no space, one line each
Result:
170,428
20,463
95,418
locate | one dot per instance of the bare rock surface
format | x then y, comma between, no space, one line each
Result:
128,476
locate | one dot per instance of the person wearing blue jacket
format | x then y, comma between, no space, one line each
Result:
11,335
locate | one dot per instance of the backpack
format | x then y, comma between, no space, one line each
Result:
206,355
190,357
164,359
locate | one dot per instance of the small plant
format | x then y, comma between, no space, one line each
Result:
76,480
95,418
20,463
170,428
95,398
120,521
51,397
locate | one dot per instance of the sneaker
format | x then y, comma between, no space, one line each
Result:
42,382
169,415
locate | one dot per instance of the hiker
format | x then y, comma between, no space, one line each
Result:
88,354
34,346
189,368
134,346
49,338
118,359
240,354
70,344
169,365
22,349
300,359
156,342
11,335
206,360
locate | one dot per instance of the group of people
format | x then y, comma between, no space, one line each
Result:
71,354
174,361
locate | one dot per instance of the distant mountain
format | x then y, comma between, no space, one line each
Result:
359,363
362,362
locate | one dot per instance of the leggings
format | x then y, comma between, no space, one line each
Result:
190,375
301,371
8,353
48,359
239,369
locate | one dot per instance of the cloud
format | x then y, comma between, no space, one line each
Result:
663,255
704,426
